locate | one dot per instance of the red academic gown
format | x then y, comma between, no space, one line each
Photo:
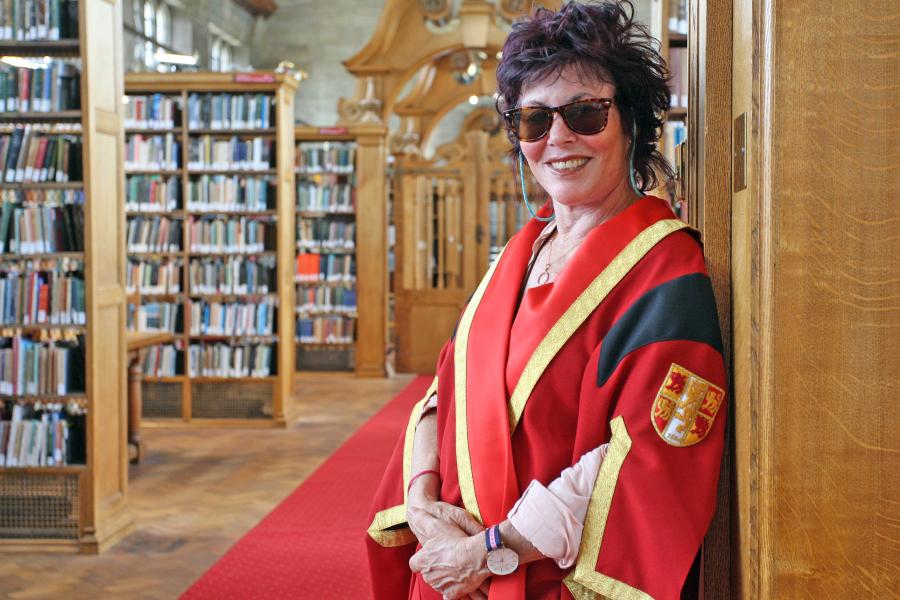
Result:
624,347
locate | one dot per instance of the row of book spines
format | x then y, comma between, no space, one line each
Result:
156,111
152,191
155,316
158,277
35,20
325,330
325,158
233,276
326,297
329,232
152,152
209,152
327,266
238,233
27,155
36,197
310,194
220,190
230,111
53,88
224,360
41,368
345,209
163,361
234,191
41,229
51,298
232,319
33,443
675,133
153,234
38,441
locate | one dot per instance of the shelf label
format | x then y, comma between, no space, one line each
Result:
333,131
254,78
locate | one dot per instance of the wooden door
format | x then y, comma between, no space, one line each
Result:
442,246
816,330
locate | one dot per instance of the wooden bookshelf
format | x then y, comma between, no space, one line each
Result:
83,507
366,354
202,401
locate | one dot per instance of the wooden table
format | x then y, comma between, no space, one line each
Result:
135,341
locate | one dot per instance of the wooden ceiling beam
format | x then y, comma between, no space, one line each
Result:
258,8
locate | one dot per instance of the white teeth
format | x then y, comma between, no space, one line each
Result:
568,164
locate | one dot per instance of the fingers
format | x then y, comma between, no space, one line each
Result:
478,595
456,516
466,522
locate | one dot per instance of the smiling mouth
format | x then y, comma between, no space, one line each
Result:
568,165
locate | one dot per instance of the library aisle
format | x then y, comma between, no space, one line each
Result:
233,231
195,495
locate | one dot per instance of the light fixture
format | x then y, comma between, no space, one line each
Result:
473,99
466,65
171,58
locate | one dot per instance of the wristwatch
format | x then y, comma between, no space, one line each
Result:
500,559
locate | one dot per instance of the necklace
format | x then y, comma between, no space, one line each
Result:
545,276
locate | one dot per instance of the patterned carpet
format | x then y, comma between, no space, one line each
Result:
312,545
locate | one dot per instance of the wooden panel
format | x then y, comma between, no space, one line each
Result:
371,253
105,510
106,227
108,372
838,255
286,241
817,346
424,326
744,553
100,53
709,186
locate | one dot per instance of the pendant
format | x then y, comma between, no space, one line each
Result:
543,278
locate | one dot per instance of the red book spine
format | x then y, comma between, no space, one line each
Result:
43,303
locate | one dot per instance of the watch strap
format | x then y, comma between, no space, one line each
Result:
492,539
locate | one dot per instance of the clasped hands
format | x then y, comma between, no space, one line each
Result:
452,557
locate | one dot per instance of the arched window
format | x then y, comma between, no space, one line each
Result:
163,24
149,19
137,14
215,55
149,55
225,58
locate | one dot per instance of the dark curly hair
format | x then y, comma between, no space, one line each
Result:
605,44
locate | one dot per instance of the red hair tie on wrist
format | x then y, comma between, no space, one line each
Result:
419,474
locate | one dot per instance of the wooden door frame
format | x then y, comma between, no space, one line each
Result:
709,197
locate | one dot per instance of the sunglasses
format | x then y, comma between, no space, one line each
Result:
586,117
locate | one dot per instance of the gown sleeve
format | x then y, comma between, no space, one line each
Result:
661,371
551,517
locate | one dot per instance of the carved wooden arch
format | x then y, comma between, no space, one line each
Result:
437,93
403,44
482,119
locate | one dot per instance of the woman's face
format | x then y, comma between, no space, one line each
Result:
576,169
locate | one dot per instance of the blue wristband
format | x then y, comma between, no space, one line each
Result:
492,539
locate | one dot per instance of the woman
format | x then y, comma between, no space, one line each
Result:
569,445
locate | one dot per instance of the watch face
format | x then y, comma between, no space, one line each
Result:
502,561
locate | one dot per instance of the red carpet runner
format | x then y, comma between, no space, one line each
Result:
312,544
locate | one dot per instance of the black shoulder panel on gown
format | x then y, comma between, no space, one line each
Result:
681,309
